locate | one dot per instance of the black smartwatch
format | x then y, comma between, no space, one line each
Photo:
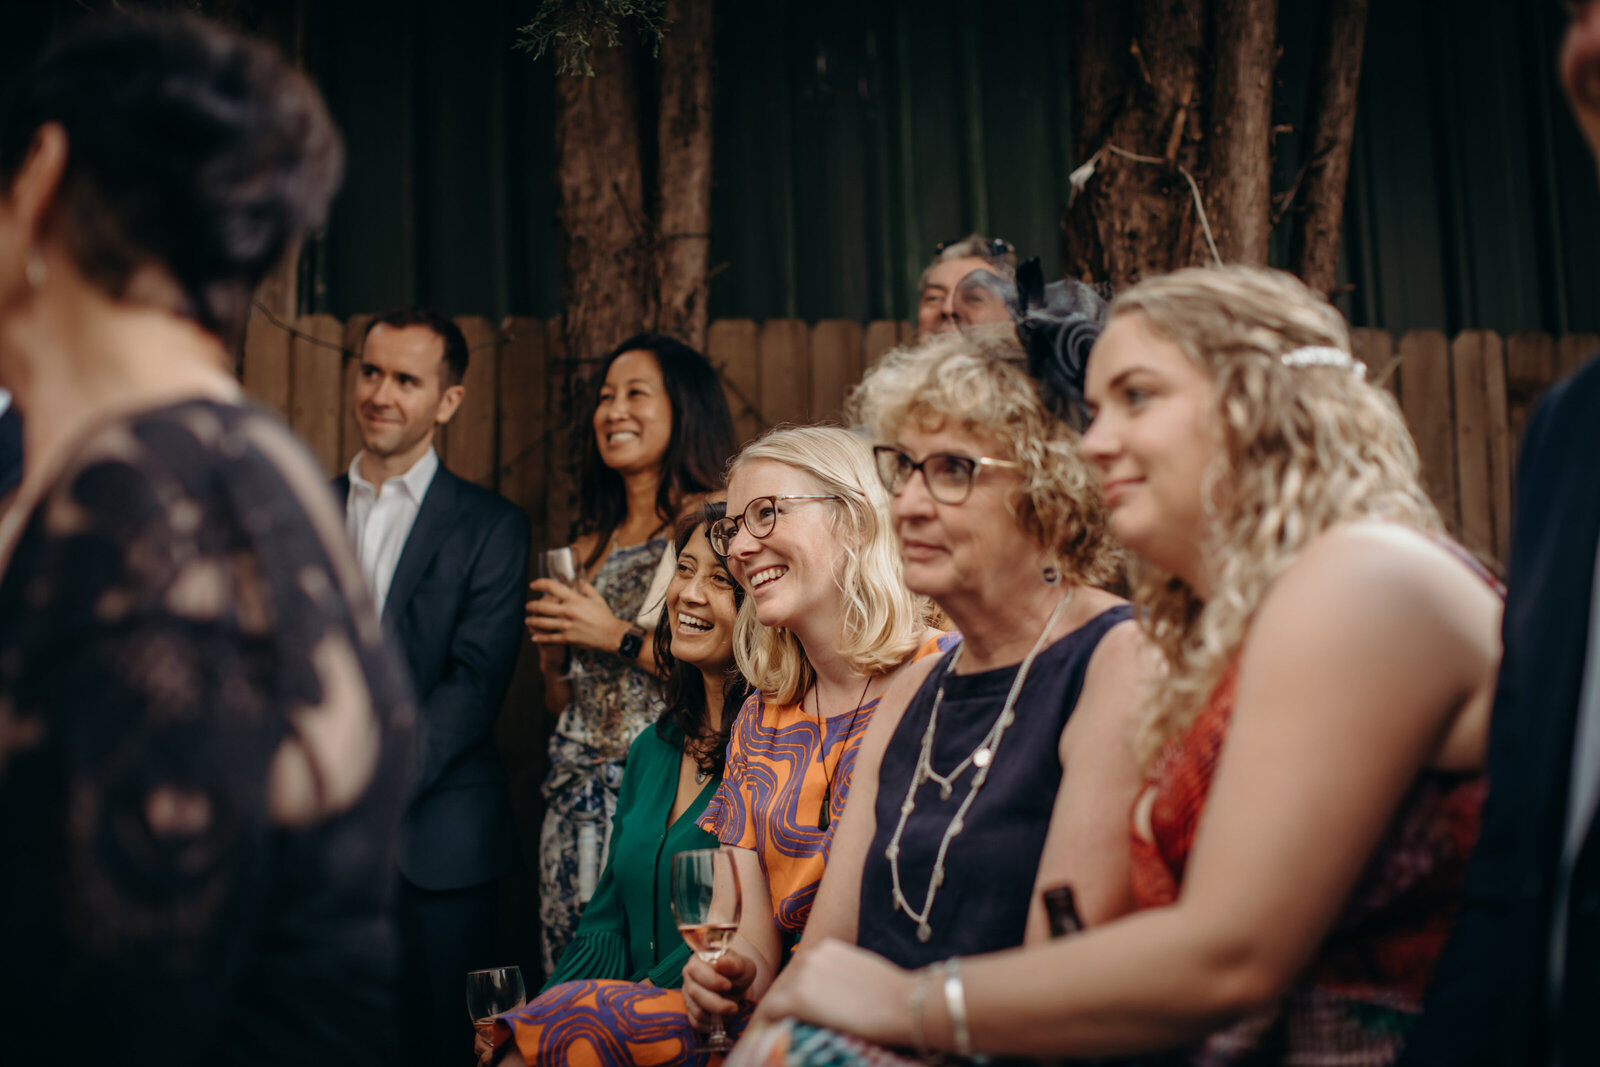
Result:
632,641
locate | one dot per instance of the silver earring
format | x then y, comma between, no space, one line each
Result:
33,268
1051,574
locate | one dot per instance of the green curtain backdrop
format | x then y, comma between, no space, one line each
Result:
853,135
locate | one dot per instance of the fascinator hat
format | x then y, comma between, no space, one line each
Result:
1056,323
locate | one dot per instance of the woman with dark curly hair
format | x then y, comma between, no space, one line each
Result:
204,740
658,438
627,933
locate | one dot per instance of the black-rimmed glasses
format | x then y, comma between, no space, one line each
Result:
949,478
759,519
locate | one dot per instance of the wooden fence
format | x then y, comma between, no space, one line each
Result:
1466,399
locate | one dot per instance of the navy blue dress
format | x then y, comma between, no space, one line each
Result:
990,868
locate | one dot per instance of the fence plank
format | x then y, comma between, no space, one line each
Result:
1425,399
1473,485
1530,368
350,431
1573,351
879,338
524,420
1375,348
471,445
314,386
835,364
566,402
1500,472
265,373
785,371
733,347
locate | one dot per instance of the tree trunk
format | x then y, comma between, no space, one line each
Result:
1238,186
600,212
1315,255
1136,218
684,217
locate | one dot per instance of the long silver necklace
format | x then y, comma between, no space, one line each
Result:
981,757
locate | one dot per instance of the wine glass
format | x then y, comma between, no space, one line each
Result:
705,903
562,566
493,992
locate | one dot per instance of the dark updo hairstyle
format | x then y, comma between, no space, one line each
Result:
684,691
188,147
697,453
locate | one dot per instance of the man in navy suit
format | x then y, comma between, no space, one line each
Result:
446,562
1519,983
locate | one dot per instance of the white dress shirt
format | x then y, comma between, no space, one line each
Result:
380,519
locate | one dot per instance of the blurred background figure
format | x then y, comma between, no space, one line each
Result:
445,560
1521,977
660,436
938,309
204,741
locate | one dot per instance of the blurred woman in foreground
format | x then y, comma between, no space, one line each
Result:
204,741
1314,754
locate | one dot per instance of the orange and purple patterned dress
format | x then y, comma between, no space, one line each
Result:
777,774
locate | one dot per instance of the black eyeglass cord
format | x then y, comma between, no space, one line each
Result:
823,818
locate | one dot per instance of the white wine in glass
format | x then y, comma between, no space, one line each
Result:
493,992
705,903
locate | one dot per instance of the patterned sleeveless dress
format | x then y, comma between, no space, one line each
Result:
1355,1004
779,762
613,701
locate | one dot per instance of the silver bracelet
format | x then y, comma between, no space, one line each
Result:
955,1002
916,1002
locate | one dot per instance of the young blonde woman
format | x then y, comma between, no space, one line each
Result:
825,626
1314,754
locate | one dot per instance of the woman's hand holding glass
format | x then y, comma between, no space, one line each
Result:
712,992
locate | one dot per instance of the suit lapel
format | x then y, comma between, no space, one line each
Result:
435,518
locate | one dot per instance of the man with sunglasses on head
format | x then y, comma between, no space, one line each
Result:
944,304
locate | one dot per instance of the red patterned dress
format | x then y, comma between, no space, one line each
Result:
1356,1002
779,764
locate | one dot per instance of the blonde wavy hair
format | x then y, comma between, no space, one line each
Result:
883,620
1300,449
975,381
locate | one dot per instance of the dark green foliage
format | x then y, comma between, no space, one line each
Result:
571,28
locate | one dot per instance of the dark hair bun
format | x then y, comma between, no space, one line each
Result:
187,145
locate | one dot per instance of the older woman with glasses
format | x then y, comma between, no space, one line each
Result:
1006,767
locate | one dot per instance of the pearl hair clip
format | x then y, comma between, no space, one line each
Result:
1324,356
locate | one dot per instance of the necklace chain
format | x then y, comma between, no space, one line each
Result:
981,757
824,815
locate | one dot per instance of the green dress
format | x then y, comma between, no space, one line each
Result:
627,931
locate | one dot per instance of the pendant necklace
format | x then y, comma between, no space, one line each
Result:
981,758
823,817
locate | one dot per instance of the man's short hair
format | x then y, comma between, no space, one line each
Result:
1001,257
455,345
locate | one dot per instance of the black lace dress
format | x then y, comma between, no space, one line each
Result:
204,745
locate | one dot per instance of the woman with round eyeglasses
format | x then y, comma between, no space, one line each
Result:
826,628
1006,767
